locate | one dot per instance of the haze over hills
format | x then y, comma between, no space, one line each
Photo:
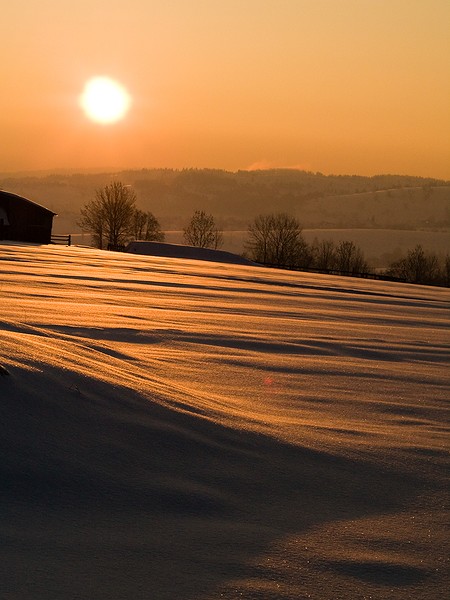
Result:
236,197
320,202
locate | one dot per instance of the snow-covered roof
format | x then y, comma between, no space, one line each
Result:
180,251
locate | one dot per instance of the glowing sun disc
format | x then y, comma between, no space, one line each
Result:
105,100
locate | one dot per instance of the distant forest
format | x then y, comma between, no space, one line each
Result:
235,198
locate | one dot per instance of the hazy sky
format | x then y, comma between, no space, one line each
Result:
338,86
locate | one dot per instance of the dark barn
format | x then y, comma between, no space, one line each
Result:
22,220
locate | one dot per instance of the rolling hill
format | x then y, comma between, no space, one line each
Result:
236,198
189,429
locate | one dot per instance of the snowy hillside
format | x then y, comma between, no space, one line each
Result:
182,429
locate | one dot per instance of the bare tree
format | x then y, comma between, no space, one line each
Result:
277,239
153,232
145,226
202,231
446,270
93,220
258,242
350,259
109,216
138,224
324,254
417,267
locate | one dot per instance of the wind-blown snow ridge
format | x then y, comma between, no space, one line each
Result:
182,429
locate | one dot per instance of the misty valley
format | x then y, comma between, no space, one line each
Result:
384,215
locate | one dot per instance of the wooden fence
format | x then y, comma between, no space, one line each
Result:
379,276
62,240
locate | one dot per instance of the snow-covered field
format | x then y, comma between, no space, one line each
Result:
183,430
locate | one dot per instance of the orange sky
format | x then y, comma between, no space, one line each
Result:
338,86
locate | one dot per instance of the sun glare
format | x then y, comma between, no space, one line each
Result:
105,100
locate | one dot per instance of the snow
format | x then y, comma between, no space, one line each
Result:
175,428
182,251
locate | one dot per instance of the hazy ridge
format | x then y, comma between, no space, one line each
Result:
235,198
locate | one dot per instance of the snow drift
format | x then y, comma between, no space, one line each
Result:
181,429
183,251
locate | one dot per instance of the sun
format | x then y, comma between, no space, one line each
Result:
105,100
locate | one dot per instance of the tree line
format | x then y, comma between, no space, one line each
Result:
112,218
320,201
277,240
274,239
422,267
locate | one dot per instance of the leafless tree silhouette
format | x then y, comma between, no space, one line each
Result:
420,267
145,226
349,258
277,239
109,216
202,231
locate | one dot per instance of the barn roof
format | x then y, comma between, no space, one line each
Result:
16,197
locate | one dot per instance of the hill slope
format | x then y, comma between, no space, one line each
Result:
235,199
183,429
